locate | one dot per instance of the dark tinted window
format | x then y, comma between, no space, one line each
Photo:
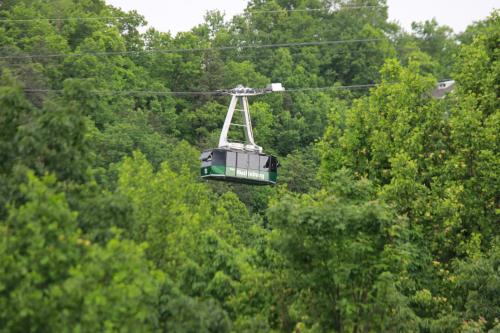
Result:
274,164
219,157
253,162
231,159
242,161
264,162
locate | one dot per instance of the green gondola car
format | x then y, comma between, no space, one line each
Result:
240,162
239,166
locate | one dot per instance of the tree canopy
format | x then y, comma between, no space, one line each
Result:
385,218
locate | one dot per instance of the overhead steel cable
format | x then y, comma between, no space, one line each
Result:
239,57
355,86
190,50
95,18
129,92
197,93
327,10
98,18
213,92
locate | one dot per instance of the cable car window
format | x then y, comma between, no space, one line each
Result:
231,159
242,161
206,156
253,162
264,162
274,164
206,159
219,157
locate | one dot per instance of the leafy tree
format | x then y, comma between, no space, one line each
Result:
16,110
388,218
438,42
190,228
344,258
479,293
474,127
113,288
53,278
40,243
299,170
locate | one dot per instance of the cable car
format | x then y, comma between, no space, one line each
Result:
239,166
240,162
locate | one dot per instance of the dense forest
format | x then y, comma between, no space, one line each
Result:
386,213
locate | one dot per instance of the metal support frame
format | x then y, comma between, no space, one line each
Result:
240,95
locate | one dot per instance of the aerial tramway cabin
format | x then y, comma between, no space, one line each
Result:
240,162
239,166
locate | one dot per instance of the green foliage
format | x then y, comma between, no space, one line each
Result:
429,158
344,258
53,278
15,110
480,293
474,128
186,227
378,127
298,170
40,242
387,220
113,288
439,43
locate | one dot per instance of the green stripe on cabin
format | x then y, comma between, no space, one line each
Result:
239,173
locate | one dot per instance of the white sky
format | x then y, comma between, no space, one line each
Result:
182,15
